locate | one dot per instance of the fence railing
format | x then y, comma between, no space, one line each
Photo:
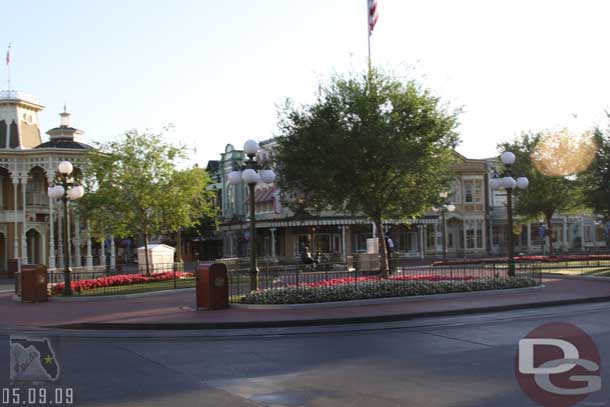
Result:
101,280
308,278
272,275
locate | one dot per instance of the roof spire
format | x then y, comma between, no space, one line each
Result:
65,117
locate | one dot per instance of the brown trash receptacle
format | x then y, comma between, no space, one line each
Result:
13,267
212,286
34,283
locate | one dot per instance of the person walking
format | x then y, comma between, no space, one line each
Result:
389,244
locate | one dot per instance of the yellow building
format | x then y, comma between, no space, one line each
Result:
28,217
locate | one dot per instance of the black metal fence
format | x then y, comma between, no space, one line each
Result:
105,281
308,284
315,280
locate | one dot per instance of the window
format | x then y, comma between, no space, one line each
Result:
468,192
496,236
322,243
472,191
474,234
302,241
470,238
587,233
430,236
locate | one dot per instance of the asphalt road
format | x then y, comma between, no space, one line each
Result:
458,361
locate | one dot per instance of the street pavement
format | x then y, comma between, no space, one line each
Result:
176,309
449,361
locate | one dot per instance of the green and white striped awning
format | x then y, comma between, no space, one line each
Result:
263,224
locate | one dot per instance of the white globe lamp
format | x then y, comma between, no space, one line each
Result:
267,176
65,167
251,147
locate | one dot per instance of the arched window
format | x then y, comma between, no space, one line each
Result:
3,134
14,142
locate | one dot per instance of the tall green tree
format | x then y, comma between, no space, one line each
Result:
596,180
133,188
371,144
552,186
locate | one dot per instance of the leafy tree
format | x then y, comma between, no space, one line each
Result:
133,188
370,144
553,188
596,180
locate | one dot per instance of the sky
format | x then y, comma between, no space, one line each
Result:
218,70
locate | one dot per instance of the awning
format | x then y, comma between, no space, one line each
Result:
263,224
263,195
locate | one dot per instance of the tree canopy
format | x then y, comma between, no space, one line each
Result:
552,183
370,144
596,180
133,187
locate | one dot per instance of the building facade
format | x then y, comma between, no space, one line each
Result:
477,226
29,219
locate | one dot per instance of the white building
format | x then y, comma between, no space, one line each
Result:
28,217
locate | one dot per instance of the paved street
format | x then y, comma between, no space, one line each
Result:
458,361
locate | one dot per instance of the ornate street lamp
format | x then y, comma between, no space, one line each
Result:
67,189
506,181
446,206
251,173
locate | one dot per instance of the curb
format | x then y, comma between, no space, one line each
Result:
319,322
575,277
390,300
86,298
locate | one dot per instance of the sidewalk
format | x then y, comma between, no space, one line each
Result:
175,310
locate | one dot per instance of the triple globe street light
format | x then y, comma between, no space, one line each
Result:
506,181
253,172
67,189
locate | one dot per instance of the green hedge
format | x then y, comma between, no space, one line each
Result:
377,289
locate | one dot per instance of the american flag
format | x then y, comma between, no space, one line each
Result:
8,54
372,15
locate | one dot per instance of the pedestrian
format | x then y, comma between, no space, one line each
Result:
389,244
306,256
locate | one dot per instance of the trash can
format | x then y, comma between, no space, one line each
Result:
13,267
34,283
212,286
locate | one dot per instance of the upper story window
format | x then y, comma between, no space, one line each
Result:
473,194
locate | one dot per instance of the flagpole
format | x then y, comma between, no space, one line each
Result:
8,67
368,31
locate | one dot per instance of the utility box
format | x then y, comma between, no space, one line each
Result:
160,258
212,287
372,246
34,282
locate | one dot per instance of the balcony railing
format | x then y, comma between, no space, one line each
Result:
16,95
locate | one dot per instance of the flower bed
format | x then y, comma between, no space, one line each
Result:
537,259
118,280
372,287
356,280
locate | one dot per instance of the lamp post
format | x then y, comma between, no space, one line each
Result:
66,189
446,206
506,181
541,234
251,173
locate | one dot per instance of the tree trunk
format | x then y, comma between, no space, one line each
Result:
146,254
550,234
383,267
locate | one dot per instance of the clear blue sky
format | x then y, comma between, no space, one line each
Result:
217,70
